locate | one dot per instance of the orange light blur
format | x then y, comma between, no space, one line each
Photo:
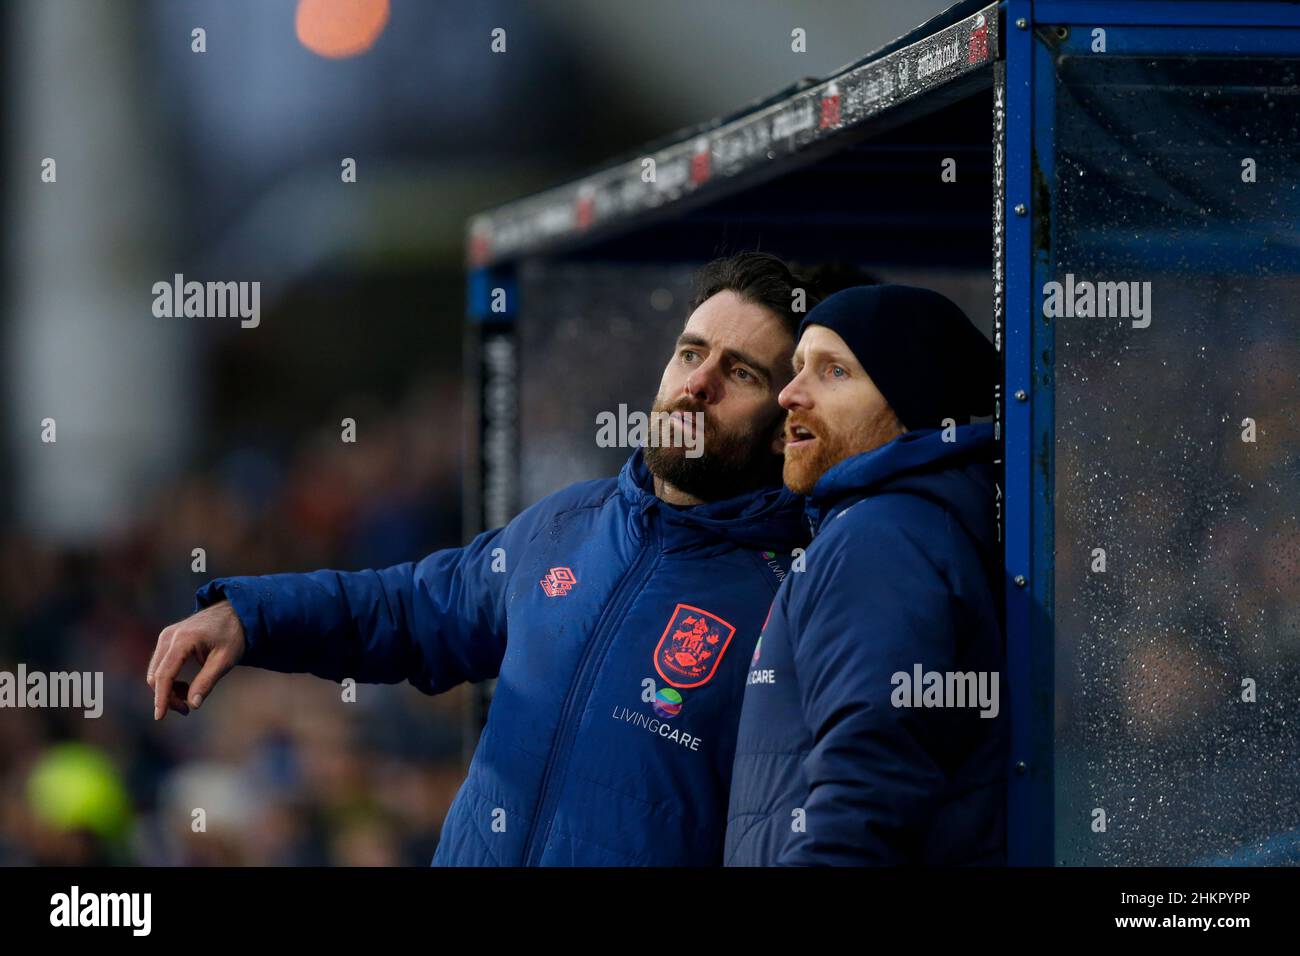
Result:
340,28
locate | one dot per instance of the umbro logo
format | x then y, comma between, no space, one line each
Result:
558,582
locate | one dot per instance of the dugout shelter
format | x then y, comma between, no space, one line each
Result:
1118,215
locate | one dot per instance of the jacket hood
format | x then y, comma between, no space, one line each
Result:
958,475
769,518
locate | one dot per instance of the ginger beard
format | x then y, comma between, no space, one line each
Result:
734,461
813,446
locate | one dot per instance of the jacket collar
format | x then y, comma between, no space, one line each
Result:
909,462
768,518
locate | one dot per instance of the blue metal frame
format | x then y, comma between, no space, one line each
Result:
492,404
1029,350
1029,791
478,299
1245,41
1200,13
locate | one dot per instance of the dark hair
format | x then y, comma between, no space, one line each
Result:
760,278
831,277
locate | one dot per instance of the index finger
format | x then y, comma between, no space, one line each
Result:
168,667
164,639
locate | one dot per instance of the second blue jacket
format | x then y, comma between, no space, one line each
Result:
619,627
834,765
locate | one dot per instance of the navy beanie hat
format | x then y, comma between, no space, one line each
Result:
919,348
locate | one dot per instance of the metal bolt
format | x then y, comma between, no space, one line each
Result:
1020,395
1022,23
1020,209
1020,766
1020,580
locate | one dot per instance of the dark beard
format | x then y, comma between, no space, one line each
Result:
733,463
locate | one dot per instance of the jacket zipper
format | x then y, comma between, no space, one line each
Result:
588,665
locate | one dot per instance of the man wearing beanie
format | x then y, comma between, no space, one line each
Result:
872,729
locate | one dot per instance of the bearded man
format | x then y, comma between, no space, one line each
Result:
618,615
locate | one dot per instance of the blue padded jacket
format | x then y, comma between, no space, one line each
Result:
836,763
619,627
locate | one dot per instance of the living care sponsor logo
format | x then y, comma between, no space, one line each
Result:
761,675
664,702
769,557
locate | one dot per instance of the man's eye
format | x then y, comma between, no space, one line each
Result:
744,374
687,354
838,371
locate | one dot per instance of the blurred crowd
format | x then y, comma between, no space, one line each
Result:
274,769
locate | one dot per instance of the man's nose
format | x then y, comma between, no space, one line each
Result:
702,384
794,395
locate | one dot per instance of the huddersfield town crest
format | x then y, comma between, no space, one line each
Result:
692,646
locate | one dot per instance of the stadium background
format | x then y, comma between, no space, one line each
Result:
183,433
